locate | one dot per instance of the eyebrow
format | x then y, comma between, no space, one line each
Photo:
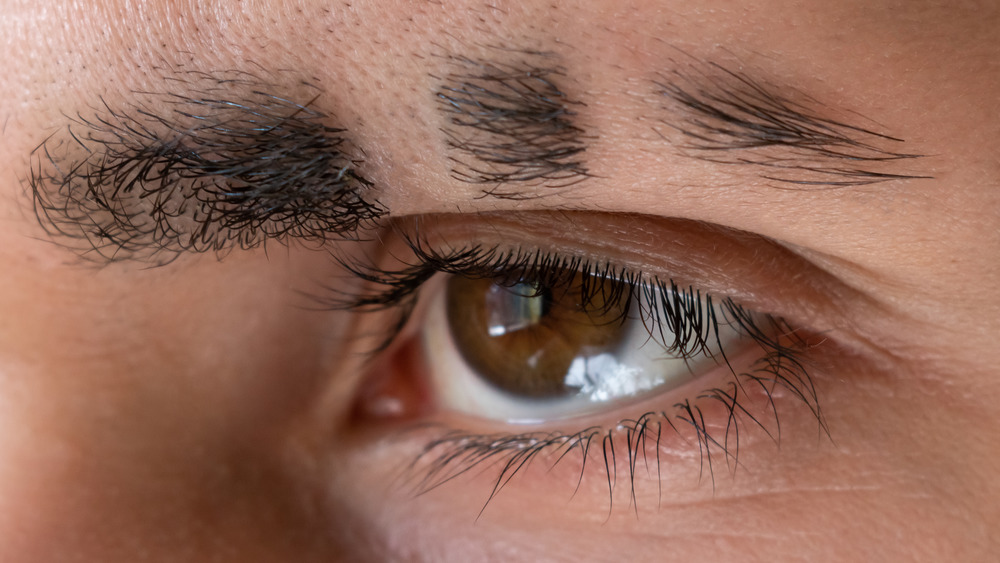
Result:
728,118
226,164
510,125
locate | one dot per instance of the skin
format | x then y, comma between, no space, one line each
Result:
197,411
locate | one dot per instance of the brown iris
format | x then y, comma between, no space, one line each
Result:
522,338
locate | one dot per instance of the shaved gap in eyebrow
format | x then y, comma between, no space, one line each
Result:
510,125
215,162
727,117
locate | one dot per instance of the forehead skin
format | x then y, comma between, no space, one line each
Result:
100,366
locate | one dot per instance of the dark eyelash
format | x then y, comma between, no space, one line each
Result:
681,312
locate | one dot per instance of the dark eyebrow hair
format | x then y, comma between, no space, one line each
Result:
510,123
217,161
727,117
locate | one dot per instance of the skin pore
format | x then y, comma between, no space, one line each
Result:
167,402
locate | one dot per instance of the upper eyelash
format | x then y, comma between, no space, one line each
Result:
455,453
690,315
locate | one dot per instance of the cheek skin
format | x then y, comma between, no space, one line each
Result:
137,414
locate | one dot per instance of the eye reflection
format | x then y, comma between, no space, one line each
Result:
515,308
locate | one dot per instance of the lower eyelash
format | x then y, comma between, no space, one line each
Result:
455,453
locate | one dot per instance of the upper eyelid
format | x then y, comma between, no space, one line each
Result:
718,260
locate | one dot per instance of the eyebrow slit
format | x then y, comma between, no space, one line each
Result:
510,123
728,118
220,164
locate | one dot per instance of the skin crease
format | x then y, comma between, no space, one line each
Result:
199,412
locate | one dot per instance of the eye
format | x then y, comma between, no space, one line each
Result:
566,344
502,355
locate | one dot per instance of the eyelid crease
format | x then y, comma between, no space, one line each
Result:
215,165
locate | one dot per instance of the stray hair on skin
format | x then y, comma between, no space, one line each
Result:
510,123
218,163
728,118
